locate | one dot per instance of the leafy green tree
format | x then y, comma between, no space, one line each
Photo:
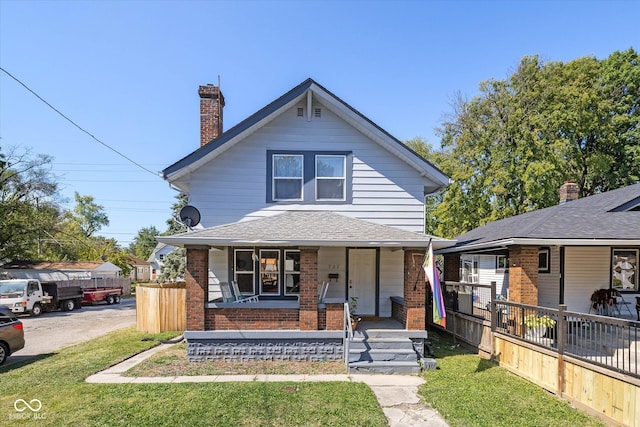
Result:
174,226
510,148
173,265
144,242
27,203
89,216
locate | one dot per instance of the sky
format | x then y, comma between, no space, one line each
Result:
128,73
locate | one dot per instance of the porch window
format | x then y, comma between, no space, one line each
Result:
287,177
469,268
544,260
269,272
330,177
244,271
624,269
292,272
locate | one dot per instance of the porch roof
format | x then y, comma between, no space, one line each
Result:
305,228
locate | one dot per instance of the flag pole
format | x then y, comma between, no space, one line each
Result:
426,254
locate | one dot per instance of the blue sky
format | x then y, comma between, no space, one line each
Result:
128,72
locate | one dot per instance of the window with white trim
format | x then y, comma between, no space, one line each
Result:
288,177
330,177
469,268
544,260
243,273
270,272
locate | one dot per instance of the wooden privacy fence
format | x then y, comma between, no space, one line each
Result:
161,308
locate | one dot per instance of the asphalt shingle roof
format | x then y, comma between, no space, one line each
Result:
314,228
595,217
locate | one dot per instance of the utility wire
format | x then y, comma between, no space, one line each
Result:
78,126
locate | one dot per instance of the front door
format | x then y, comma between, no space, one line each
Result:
362,280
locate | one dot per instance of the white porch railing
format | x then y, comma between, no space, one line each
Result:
348,336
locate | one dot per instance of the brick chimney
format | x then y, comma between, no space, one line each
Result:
211,105
568,192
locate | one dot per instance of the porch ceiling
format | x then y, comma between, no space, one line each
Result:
305,228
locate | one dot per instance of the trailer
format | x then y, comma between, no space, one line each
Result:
110,295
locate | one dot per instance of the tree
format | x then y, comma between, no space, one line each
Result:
27,203
89,216
173,265
144,242
510,148
173,225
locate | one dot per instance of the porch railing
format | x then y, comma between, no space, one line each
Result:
348,334
469,298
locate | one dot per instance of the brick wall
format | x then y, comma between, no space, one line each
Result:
308,289
414,290
197,279
523,275
334,317
211,105
398,312
452,267
224,319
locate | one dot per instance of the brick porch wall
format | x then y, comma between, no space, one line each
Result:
335,317
224,319
197,278
414,290
523,275
308,289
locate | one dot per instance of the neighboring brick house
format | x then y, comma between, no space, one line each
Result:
557,255
305,190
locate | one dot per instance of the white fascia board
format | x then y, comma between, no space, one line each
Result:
505,243
229,144
425,169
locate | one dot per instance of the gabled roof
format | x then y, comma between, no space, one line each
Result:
308,87
57,265
305,228
610,218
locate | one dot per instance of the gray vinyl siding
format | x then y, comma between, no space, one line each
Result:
218,272
333,260
384,188
586,269
487,273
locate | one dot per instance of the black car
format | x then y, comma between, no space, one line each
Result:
11,334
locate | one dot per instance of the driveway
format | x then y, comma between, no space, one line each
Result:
52,331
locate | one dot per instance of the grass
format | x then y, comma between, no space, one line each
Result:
470,391
173,362
57,380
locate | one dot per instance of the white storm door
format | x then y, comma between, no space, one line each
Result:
362,280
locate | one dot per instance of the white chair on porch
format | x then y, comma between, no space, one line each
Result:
323,292
239,297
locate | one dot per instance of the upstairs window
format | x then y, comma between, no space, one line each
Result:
330,177
288,176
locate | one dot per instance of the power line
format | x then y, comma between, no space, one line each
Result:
78,126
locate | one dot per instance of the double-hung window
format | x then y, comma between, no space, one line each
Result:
330,177
288,177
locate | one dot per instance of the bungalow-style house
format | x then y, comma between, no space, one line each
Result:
140,269
557,255
306,190
156,259
61,270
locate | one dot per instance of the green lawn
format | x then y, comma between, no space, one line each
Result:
470,391
58,382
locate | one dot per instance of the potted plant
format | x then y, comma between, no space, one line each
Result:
353,305
537,325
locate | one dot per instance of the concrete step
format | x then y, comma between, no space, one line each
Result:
402,355
384,367
391,333
381,343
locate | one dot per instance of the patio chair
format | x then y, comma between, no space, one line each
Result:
227,295
323,292
238,296
618,300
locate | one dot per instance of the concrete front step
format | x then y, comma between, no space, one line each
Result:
384,367
381,343
381,354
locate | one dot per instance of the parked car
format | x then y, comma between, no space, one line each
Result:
11,334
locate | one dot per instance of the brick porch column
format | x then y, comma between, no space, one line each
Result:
523,275
197,278
452,267
414,299
309,289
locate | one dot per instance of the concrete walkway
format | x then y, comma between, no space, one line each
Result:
397,394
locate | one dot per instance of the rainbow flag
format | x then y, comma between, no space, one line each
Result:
439,312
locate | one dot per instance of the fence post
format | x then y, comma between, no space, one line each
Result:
492,306
561,341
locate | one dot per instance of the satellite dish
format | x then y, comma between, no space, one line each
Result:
190,216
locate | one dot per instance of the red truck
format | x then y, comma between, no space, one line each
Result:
110,295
